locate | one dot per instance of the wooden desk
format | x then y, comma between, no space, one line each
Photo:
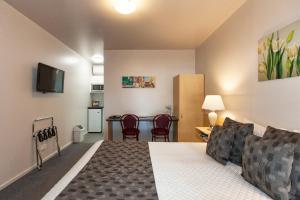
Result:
149,119
204,131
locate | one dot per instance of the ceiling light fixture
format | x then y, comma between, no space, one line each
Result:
98,59
125,7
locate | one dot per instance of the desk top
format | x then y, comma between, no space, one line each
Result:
142,118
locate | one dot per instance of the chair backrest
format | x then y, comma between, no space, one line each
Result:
162,121
129,121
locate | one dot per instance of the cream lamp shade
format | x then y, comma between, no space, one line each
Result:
213,103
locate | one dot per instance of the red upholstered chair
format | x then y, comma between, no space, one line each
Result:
161,127
130,126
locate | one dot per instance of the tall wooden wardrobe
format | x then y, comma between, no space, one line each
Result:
188,97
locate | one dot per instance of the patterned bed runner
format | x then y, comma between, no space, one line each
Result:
117,171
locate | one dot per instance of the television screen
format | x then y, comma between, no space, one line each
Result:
50,79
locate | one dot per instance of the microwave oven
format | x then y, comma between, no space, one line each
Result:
97,88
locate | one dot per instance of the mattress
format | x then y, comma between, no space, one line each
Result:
182,171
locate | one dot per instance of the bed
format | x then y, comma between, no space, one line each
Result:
165,171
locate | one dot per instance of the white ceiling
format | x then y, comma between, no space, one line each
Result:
88,25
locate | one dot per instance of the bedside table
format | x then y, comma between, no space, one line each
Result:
204,133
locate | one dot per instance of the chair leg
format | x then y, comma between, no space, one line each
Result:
168,138
137,137
152,138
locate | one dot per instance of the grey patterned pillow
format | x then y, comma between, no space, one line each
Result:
220,143
280,137
241,131
268,166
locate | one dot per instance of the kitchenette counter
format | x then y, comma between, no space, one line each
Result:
95,107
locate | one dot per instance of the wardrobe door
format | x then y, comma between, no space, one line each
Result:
176,105
191,97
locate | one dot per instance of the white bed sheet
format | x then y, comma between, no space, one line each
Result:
182,171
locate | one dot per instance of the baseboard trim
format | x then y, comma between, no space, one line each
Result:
26,171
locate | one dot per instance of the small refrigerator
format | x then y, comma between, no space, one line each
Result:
95,119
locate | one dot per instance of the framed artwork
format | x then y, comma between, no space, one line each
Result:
138,81
279,54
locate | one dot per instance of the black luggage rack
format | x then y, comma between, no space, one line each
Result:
42,135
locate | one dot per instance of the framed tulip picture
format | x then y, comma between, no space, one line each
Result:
279,54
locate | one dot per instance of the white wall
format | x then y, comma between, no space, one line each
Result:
22,45
163,64
229,61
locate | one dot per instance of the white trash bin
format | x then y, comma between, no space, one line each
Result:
78,133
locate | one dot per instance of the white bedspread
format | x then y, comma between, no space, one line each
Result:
183,171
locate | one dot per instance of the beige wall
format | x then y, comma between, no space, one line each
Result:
22,45
229,61
163,64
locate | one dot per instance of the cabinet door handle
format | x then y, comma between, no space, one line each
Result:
181,116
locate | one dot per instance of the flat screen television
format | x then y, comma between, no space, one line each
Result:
49,79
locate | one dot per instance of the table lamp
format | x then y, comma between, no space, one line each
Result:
213,103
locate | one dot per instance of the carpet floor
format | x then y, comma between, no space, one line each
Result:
37,183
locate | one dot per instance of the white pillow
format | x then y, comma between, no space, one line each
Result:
259,130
